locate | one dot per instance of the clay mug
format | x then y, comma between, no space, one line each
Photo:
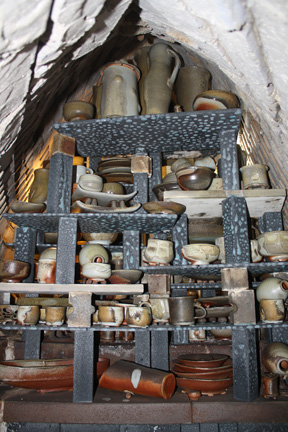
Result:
111,316
46,267
272,311
159,81
160,309
255,176
182,310
28,315
139,316
39,187
55,315
272,289
190,82
275,358
158,252
119,95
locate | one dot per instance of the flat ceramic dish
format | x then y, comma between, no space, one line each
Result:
203,360
103,198
80,207
26,207
164,207
207,386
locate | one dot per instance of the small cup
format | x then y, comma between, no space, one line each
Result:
200,253
182,310
55,315
158,252
272,311
110,316
160,309
28,315
139,316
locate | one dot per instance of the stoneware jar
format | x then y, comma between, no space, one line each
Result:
255,176
275,358
272,289
119,96
160,78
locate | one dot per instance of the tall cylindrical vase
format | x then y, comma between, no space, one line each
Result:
190,82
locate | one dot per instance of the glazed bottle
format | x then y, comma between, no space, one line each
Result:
159,80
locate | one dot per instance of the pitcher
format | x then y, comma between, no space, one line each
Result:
119,95
159,80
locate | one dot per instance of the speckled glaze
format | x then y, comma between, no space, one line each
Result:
272,289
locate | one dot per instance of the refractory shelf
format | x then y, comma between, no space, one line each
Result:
188,131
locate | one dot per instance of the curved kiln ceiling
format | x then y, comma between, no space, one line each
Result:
51,48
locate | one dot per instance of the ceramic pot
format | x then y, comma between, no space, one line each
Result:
160,309
137,379
141,59
55,315
194,178
119,95
45,269
275,358
101,238
274,244
110,316
139,316
13,270
272,289
158,252
78,110
28,315
200,253
92,270
159,80
190,82
272,311
215,99
182,310
39,187
255,176
94,253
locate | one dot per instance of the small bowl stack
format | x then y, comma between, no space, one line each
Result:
116,169
203,374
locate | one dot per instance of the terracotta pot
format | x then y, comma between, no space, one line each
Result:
127,376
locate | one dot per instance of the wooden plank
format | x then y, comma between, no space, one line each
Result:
208,203
100,289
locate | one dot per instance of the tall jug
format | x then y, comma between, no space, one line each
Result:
159,80
119,95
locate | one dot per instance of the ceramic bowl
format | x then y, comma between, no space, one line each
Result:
273,243
94,270
180,164
160,207
159,189
214,374
206,386
170,178
206,161
158,252
91,182
124,276
13,270
78,110
180,367
195,178
113,188
215,99
200,253
203,360
101,238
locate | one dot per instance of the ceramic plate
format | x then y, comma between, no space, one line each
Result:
204,360
80,207
103,198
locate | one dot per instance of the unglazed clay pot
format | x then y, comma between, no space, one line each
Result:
159,81
215,99
255,176
272,289
39,187
275,358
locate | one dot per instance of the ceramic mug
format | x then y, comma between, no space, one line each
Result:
55,315
139,316
272,311
110,316
158,252
160,309
28,315
182,310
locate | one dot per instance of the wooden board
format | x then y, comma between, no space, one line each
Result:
208,203
99,289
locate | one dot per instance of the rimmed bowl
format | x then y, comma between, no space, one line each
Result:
124,276
194,178
203,360
159,189
214,374
180,367
13,270
205,385
78,110
166,207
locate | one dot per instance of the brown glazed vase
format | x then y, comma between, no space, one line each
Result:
128,376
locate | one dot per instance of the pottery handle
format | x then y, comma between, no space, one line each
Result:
144,303
203,309
171,80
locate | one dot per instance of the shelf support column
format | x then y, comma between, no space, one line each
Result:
229,160
83,375
270,221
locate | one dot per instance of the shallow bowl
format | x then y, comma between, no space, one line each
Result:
159,189
13,270
202,360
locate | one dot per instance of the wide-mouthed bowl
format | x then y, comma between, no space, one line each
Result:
195,178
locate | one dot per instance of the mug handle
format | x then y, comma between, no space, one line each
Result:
145,303
171,80
203,309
